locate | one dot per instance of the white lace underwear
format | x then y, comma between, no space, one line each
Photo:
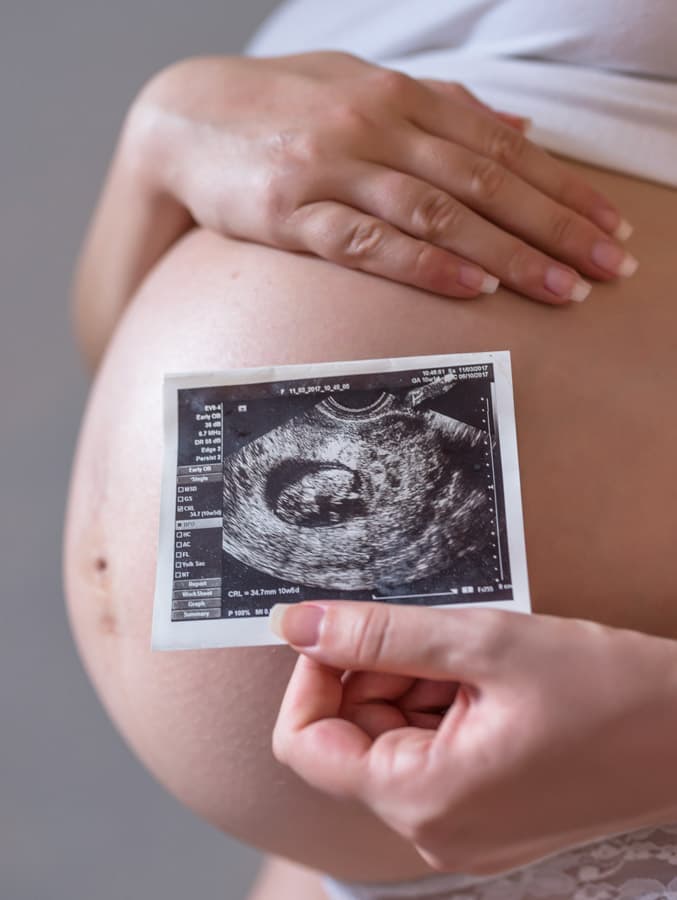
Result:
641,865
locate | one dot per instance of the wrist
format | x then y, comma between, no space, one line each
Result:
653,662
147,150
152,156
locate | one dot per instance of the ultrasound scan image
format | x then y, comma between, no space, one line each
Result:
359,496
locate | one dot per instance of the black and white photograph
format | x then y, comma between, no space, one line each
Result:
388,480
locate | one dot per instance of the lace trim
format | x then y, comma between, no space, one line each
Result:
641,865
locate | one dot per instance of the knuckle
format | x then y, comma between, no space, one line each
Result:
426,269
523,267
372,635
457,89
292,160
436,215
495,635
350,120
391,85
506,146
487,179
292,149
361,241
562,228
275,201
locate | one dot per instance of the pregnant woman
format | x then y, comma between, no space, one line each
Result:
320,207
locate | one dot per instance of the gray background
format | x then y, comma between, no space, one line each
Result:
79,817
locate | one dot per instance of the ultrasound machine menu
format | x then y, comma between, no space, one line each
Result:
198,525
390,480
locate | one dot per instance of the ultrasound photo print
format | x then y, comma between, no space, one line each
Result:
391,480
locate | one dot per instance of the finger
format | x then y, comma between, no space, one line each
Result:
377,702
364,687
452,720
376,719
335,755
434,216
429,696
350,238
427,721
521,123
327,751
442,644
517,206
454,91
482,132
372,701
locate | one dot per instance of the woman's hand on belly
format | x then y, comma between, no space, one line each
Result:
487,739
414,181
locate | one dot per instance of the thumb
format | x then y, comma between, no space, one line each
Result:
462,645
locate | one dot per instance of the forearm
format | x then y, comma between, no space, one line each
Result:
651,739
134,224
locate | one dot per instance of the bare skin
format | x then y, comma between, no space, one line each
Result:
594,391
282,880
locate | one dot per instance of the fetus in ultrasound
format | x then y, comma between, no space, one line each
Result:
369,497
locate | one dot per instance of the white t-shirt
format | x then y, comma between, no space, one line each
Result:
598,77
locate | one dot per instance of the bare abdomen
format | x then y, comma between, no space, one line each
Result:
597,432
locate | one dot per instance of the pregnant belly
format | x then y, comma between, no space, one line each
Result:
597,432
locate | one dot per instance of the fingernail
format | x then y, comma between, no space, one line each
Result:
477,279
613,222
297,625
614,259
566,284
624,230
